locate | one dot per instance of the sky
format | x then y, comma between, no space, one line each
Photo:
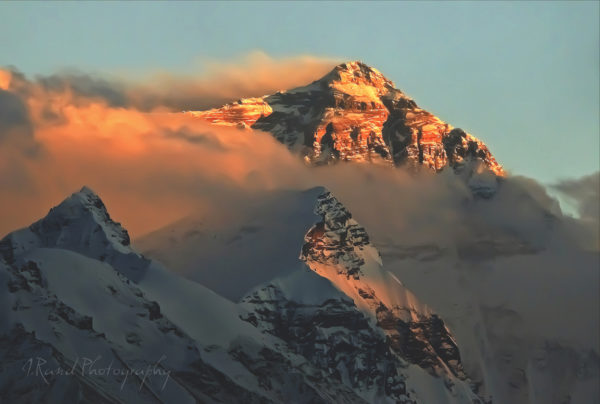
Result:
522,76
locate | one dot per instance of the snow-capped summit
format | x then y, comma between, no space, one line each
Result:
354,113
83,207
80,223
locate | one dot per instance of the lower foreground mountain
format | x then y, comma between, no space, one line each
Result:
98,322
86,318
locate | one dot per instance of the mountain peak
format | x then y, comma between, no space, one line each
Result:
357,67
354,64
80,223
355,114
339,249
87,204
356,70
87,191
85,200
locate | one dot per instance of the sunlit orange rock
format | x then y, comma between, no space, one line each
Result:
244,112
356,114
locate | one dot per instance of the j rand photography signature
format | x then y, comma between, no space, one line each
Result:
87,367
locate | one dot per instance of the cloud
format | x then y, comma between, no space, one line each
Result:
16,127
584,193
186,134
216,83
86,86
5,78
127,140
13,114
149,168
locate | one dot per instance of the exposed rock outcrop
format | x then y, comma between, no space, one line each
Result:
356,114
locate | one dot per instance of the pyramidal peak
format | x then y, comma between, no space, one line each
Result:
83,206
355,114
80,223
356,66
85,190
361,74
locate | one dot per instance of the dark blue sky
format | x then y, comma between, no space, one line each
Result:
522,76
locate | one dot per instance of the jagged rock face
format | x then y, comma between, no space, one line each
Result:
335,238
355,114
338,248
339,117
336,338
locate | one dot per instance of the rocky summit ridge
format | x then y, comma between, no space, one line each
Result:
354,113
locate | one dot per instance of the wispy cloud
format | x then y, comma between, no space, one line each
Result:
126,139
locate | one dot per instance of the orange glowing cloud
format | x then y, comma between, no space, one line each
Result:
130,142
5,77
151,169
253,75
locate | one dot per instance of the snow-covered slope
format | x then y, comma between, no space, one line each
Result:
264,238
85,318
364,307
350,277
506,283
65,312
